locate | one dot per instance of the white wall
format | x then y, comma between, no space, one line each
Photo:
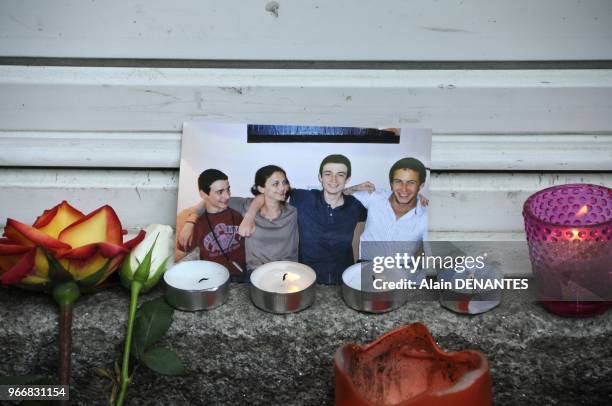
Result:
364,30
93,133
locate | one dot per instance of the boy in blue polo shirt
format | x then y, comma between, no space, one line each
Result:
326,219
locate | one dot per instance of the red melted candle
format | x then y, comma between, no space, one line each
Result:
406,367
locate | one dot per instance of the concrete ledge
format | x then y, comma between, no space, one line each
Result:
237,354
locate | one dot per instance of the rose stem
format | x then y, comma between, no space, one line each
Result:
65,294
125,377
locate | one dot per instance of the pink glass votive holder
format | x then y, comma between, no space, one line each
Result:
569,233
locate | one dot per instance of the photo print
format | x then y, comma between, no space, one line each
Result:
315,192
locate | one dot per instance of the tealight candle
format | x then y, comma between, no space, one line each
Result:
569,232
197,285
367,291
283,287
459,294
280,281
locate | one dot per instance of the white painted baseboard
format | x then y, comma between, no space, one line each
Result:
572,152
460,202
447,101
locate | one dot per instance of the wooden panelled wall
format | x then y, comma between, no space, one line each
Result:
108,129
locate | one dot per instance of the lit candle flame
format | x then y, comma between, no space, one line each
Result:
583,211
290,277
575,234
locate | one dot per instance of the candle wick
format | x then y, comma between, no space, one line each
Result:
203,279
284,276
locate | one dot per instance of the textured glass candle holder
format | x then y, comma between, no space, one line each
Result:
569,233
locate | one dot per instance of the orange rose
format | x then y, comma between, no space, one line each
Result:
63,245
64,252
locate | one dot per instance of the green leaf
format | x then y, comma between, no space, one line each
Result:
153,318
116,368
26,380
95,277
163,361
144,268
57,272
152,281
125,273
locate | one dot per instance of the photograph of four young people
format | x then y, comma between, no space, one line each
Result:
313,227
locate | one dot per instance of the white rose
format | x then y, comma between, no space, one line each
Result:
161,235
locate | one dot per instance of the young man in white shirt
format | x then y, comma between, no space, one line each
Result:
396,215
